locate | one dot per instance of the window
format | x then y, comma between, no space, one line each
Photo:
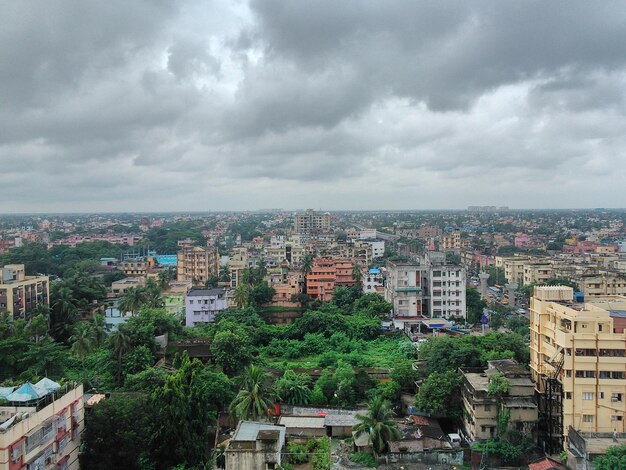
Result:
587,418
585,374
616,397
587,396
568,395
617,418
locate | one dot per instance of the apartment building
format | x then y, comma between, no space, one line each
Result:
311,222
373,281
237,262
537,272
577,360
480,418
513,267
41,426
20,294
445,289
201,305
403,289
287,286
453,241
326,274
135,268
197,264
601,285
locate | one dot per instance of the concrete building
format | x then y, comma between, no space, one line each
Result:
577,359
135,268
403,289
537,272
287,286
41,426
326,274
480,419
584,447
373,281
201,305
446,287
311,222
197,264
237,262
20,294
255,446
601,285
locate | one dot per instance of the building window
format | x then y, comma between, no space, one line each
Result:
587,418
617,418
616,397
585,374
568,395
587,396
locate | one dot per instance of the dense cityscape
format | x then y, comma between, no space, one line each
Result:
312,235
310,339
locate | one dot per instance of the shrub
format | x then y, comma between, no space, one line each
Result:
364,459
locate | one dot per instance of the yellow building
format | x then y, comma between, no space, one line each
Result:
578,363
20,294
537,272
197,264
43,432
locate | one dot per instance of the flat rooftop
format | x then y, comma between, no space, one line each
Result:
248,431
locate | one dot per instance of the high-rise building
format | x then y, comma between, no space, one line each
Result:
446,288
20,294
403,289
197,264
578,363
311,222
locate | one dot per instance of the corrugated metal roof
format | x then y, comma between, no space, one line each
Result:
302,421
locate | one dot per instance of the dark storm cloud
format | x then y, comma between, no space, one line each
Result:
221,104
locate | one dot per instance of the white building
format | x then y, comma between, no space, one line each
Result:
201,305
255,446
446,289
372,281
403,289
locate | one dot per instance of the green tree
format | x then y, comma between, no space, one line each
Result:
379,424
120,343
116,433
440,393
293,388
83,340
255,396
614,459
242,295
37,328
404,374
183,414
231,351
131,300
356,274
475,305
373,305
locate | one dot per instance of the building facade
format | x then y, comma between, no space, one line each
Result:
201,305
403,289
42,433
197,264
326,274
311,222
20,294
255,446
578,362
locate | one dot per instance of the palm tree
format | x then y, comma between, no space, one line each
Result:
241,295
83,340
356,273
378,423
99,329
131,300
255,397
307,267
120,343
293,388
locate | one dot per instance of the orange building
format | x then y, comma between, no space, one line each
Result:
326,274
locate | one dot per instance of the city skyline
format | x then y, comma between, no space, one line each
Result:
148,107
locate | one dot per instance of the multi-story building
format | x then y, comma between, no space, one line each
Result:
373,281
197,264
201,305
311,222
453,241
403,289
237,262
20,294
480,418
513,268
601,285
577,359
41,426
445,288
537,272
287,286
255,446
326,274
135,268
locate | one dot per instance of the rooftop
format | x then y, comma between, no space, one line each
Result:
206,292
248,431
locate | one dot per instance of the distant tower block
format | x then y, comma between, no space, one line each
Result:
483,284
511,288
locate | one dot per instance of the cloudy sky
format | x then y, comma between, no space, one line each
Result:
229,104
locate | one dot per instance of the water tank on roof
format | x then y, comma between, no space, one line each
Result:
579,297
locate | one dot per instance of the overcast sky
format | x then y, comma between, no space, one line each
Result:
228,105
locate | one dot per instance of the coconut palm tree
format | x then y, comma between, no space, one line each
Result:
255,397
99,328
83,340
356,273
378,423
306,267
131,300
120,343
241,295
